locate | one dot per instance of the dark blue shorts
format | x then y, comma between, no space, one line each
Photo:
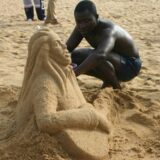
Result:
130,68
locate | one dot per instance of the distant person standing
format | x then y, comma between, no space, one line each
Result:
51,14
29,10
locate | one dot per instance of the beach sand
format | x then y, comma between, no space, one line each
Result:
135,110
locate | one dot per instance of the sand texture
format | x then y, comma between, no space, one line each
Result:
134,112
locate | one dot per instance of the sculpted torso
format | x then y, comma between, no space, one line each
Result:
52,102
50,91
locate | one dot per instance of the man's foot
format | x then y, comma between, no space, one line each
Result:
29,20
43,19
106,84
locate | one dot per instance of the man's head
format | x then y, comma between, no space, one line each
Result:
86,16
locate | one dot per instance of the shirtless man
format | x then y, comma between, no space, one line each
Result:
113,56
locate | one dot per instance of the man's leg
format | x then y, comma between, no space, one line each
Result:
108,75
28,8
105,70
108,70
79,55
39,6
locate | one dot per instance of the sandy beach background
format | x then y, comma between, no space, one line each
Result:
135,110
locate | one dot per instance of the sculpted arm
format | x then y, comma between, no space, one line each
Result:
51,121
45,106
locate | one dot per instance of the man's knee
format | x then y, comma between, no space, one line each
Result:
107,65
110,66
79,55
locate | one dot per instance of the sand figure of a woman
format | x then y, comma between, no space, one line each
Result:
50,91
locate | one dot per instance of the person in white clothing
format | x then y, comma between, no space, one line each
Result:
29,10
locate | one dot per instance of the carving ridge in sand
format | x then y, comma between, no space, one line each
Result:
51,94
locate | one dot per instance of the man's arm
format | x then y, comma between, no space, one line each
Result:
99,54
107,43
74,40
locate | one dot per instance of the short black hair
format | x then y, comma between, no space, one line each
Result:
86,5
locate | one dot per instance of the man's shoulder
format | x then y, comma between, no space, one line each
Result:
106,23
109,27
105,26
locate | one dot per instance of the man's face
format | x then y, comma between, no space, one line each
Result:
86,21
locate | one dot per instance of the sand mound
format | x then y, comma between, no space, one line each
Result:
136,128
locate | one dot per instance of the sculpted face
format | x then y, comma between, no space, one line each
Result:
59,52
59,47
86,21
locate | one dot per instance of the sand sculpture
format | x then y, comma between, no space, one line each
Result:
51,14
50,93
